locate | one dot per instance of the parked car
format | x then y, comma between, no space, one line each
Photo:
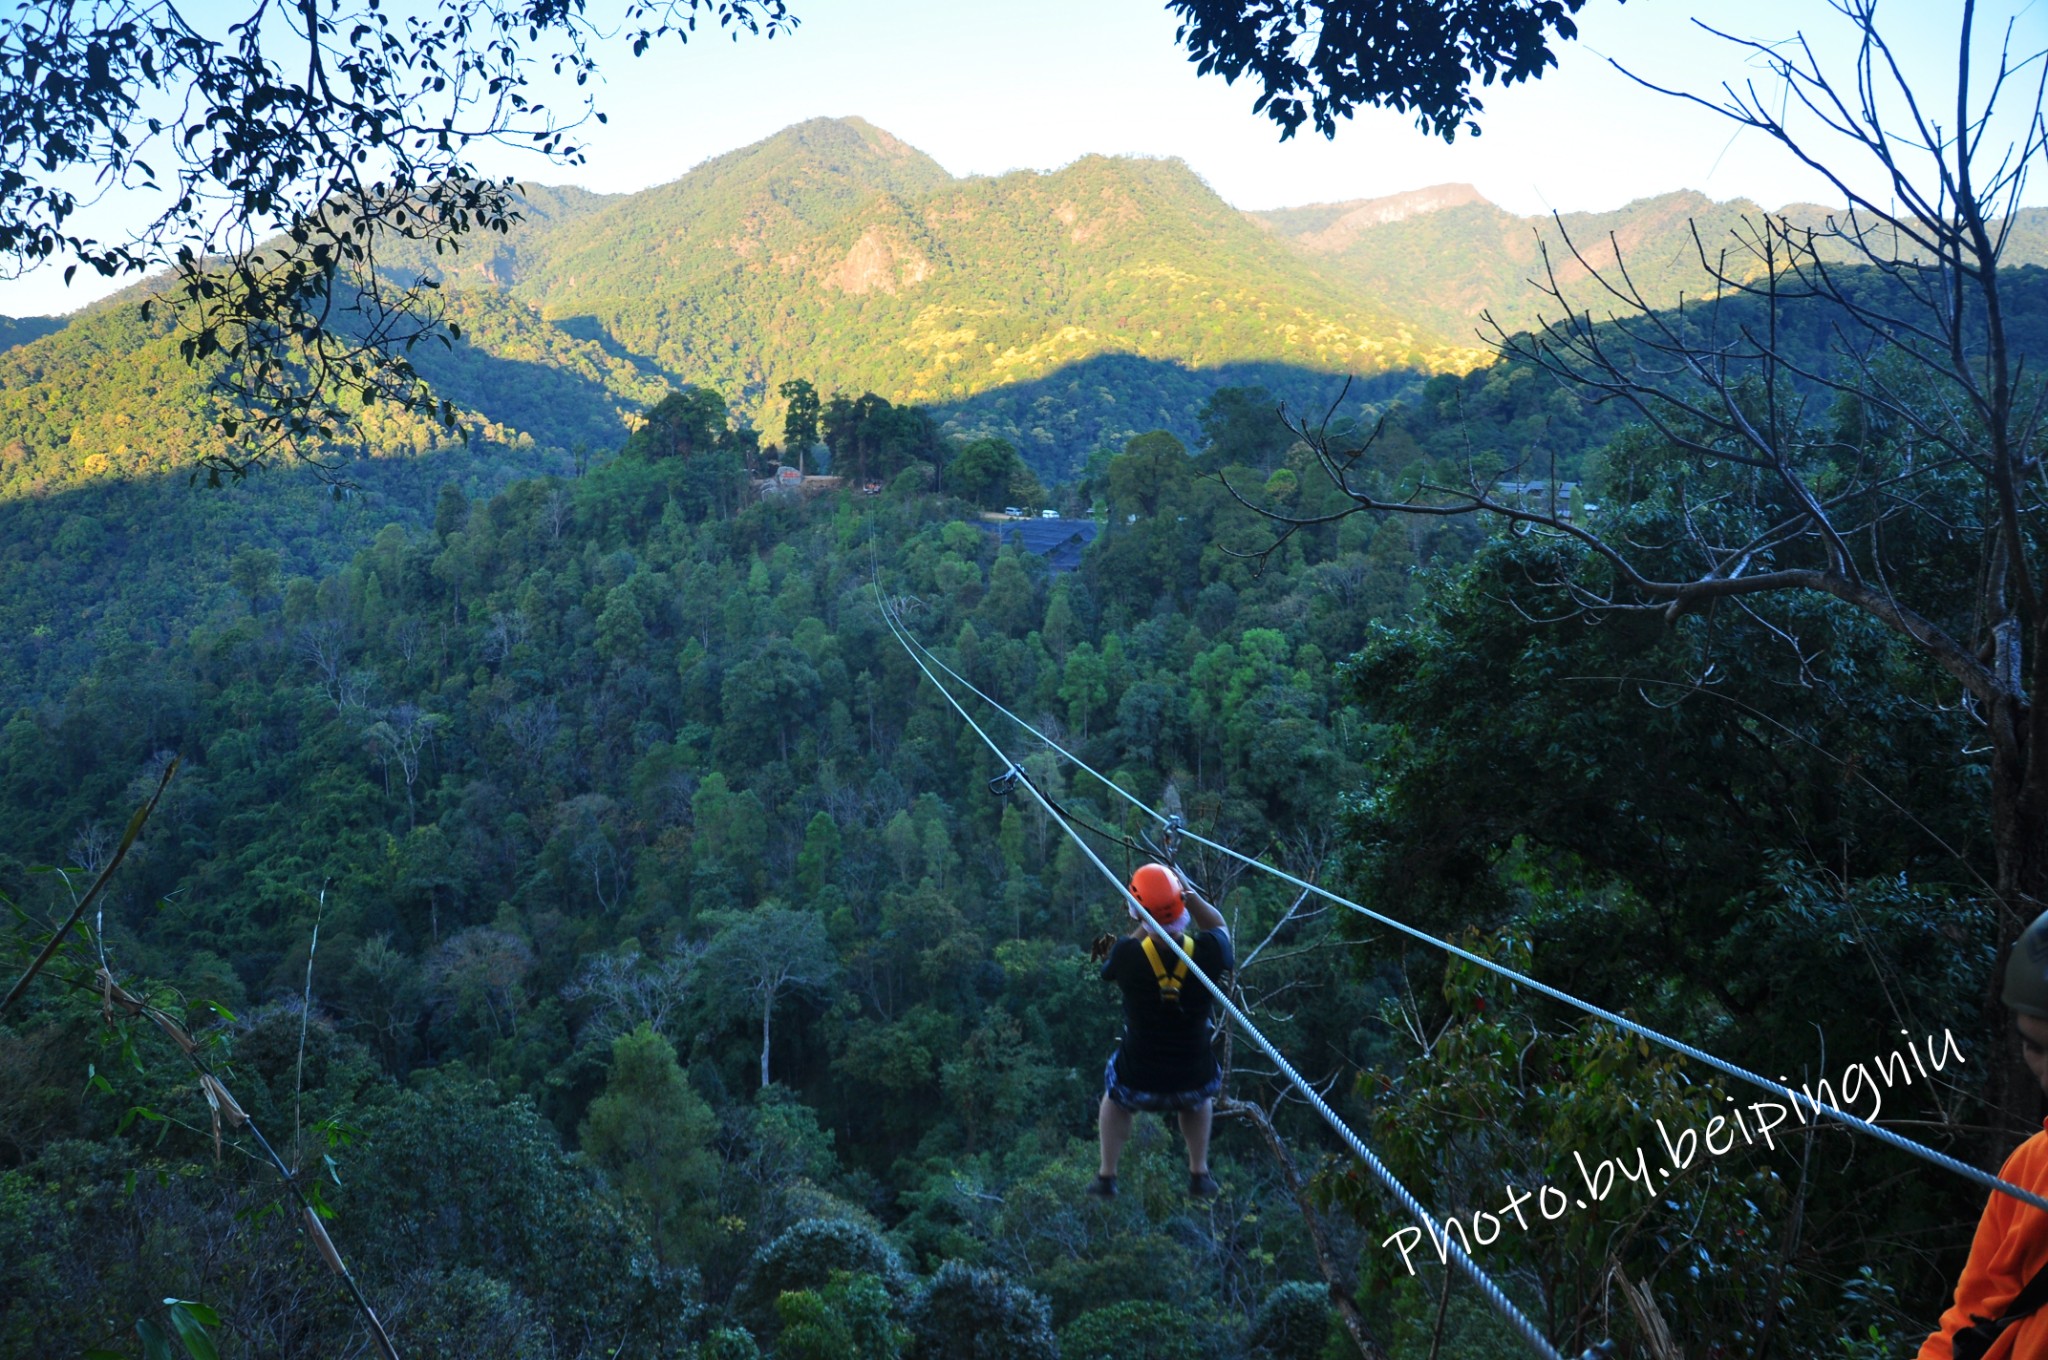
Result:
1013,512
1048,514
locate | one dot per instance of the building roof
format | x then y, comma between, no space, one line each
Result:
787,482
1058,541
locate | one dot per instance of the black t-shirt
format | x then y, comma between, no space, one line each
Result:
1166,1044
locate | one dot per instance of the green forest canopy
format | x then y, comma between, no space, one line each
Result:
568,775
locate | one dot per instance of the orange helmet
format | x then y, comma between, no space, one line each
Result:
1157,889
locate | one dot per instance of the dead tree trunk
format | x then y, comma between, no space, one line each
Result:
2019,834
1334,1275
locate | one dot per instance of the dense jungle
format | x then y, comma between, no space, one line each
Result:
506,877
637,955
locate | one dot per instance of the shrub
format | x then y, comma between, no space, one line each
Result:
1293,1322
1133,1331
805,1257
967,1313
465,1311
729,1343
849,1319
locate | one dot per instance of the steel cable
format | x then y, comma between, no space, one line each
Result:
1797,1099
1458,1256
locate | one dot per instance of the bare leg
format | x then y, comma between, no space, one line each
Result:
1113,1122
1194,1127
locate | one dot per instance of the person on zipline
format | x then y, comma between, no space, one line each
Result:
1165,1062
1998,1313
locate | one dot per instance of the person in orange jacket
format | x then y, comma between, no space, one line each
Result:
1998,1312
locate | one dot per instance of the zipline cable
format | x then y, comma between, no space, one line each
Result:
1797,1098
1500,1302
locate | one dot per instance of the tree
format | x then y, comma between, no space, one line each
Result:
1148,477
819,855
651,1133
591,825
289,152
402,736
627,991
758,957
764,698
253,573
480,973
1293,1322
871,438
1846,430
848,1319
1318,60
807,1257
506,1201
1242,425
965,1313
451,512
983,471
1150,1329
693,420
800,422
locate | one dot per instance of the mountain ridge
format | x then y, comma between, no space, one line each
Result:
835,252
1486,259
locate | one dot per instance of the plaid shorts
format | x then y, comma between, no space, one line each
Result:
1154,1101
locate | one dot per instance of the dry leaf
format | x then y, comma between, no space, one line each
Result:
217,1096
175,1030
322,1243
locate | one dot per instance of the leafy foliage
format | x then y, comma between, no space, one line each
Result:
1293,1322
811,1257
651,1133
1142,1331
347,123
1318,62
977,1314
848,1317
666,723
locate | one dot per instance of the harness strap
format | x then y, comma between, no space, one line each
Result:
1169,983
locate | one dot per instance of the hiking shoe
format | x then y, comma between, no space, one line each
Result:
1102,1187
1201,1185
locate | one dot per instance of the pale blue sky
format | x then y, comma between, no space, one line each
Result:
986,86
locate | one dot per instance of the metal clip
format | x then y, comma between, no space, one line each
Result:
1002,785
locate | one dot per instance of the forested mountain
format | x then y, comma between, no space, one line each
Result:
1483,258
1066,312
834,248
499,258
1063,311
19,330
1445,255
103,536
570,872
562,761
674,953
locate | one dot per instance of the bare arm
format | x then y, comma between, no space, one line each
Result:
1205,916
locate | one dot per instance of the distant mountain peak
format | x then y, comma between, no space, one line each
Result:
853,138
1329,228
879,140
1413,203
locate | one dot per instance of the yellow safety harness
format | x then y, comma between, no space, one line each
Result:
1169,983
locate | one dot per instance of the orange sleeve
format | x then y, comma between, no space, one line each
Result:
2010,1246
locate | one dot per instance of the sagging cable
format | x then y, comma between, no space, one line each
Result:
1801,1103
1492,1292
